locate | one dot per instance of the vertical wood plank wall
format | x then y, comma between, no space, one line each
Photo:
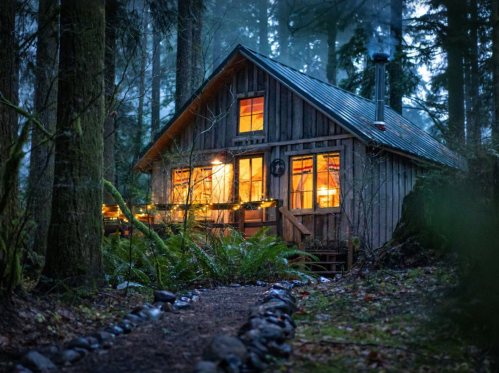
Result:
388,177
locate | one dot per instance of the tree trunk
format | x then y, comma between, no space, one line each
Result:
395,70
283,33
156,80
217,36
142,88
184,50
494,20
475,130
110,72
197,45
41,174
332,64
8,132
75,234
455,71
263,29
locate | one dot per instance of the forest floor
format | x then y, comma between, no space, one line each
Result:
390,321
384,321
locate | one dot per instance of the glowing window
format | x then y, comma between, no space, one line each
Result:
251,115
201,185
250,179
302,182
323,171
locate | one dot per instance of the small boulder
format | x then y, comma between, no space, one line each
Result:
21,369
280,350
223,345
137,320
167,307
207,367
114,329
179,305
67,356
37,362
126,325
94,343
79,343
103,336
324,280
164,296
152,314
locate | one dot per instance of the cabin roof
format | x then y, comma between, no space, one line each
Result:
353,112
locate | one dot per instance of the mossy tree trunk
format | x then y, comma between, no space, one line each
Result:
75,235
197,62
156,79
184,58
395,69
8,134
110,88
41,174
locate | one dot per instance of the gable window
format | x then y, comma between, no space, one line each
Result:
201,185
315,178
251,115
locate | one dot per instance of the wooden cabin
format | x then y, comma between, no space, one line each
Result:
261,144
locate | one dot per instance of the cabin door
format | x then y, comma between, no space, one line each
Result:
250,186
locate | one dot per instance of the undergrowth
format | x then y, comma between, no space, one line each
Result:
206,259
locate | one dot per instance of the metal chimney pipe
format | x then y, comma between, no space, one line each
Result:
380,59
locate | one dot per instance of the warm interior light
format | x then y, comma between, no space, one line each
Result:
216,161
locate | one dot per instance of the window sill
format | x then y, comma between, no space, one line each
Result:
323,211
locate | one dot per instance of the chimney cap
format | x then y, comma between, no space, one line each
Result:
380,57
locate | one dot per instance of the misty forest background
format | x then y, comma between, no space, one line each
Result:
86,85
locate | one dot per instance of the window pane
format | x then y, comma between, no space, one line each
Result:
256,168
307,200
308,182
256,191
244,170
257,122
258,105
245,124
322,163
244,191
245,107
296,164
296,184
308,165
328,182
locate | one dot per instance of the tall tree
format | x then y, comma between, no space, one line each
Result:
263,29
218,9
41,175
454,44
184,54
197,44
474,84
283,33
156,79
142,85
332,32
75,234
110,90
395,69
8,131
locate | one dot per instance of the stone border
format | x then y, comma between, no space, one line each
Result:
47,358
260,339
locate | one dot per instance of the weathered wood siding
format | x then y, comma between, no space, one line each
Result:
292,126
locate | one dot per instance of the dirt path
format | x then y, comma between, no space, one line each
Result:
175,343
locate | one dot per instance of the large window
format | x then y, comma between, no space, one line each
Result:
315,178
250,179
201,185
251,115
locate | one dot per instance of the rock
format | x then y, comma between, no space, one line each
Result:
185,299
261,283
126,325
82,351
37,362
167,307
107,345
297,283
158,304
114,329
255,362
207,367
271,332
281,286
280,350
195,298
103,336
179,305
79,343
223,345
48,350
289,330
231,364
288,318
283,306
202,290
137,320
138,310
235,285
324,280
164,296
275,320
195,293
67,356
94,343
153,314
21,369
275,293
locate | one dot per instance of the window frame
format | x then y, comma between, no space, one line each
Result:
262,131
315,205
238,171
191,172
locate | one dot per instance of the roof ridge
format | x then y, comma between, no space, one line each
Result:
302,73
